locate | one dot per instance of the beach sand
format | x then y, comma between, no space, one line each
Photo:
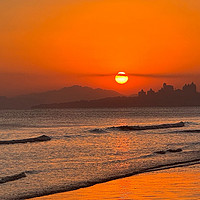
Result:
178,183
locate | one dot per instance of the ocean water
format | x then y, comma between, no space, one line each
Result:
90,146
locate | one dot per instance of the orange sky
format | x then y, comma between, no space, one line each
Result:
50,44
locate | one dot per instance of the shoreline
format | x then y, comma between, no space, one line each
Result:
173,183
93,184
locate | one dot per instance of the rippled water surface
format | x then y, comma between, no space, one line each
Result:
84,148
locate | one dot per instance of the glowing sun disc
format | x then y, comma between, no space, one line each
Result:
121,78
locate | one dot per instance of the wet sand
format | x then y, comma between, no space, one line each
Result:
179,183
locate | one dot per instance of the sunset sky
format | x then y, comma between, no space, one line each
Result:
48,44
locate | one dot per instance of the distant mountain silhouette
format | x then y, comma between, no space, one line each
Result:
166,96
66,94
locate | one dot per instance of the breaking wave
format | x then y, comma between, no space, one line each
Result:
12,177
138,128
41,138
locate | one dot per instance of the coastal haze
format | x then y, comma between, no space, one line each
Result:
66,94
86,97
167,96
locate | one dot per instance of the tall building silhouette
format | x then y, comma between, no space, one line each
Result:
189,89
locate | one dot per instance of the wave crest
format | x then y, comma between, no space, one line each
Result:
41,138
12,178
140,128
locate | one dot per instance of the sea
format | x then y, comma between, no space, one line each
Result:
90,146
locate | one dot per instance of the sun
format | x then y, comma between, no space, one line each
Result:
121,78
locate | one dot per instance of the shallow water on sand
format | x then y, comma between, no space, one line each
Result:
84,148
178,183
